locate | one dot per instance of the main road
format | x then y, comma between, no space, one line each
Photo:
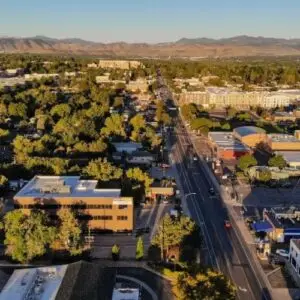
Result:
225,249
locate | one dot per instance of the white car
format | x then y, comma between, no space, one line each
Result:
283,253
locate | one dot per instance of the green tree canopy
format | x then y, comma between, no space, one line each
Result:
138,175
277,161
139,248
205,285
61,110
138,122
27,237
246,161
114,126
103,170
173,231
265,175
69,232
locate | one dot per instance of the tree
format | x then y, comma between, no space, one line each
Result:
4,133
189,111
173,231
277,161
199,123
103,170
118,102
3,181
246,161
138,122
61,110
27,237
265,175
139,249
231,112
115,252
138,175
17,110
205,285
113,126
69,232
226,126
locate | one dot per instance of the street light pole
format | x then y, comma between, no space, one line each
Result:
189,194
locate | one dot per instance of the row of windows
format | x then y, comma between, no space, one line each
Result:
75,206
104,218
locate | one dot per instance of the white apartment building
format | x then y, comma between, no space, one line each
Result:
40,76
119,64
224,97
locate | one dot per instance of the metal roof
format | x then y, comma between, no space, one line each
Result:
226,140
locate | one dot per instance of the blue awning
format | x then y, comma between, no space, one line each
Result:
262,226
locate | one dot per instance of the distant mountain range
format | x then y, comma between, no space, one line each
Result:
185,47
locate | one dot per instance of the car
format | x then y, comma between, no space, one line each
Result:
283,253
141,231
227,224
195,158
211,191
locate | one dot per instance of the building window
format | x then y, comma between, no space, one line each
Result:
99,206
122,218
102,218
123,206
293,261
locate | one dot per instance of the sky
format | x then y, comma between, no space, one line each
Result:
149,20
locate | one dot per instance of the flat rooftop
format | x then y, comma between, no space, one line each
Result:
226,140
290,156
36,283
283,138
66,186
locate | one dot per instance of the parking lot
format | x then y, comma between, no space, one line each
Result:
145,217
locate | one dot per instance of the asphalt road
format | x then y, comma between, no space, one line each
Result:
224,249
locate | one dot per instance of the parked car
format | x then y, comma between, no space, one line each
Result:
283,253
140,231
227,224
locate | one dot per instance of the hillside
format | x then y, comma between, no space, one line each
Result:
199,47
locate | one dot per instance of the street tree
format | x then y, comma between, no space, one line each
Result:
172,232
115,252
27,237
139,248
277,161
246,161
103,170
205,285
69,232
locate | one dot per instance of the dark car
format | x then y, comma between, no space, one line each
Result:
141,231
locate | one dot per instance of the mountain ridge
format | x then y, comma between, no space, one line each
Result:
242,45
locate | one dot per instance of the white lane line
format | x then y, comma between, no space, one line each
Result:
141,283
199,216
249,262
